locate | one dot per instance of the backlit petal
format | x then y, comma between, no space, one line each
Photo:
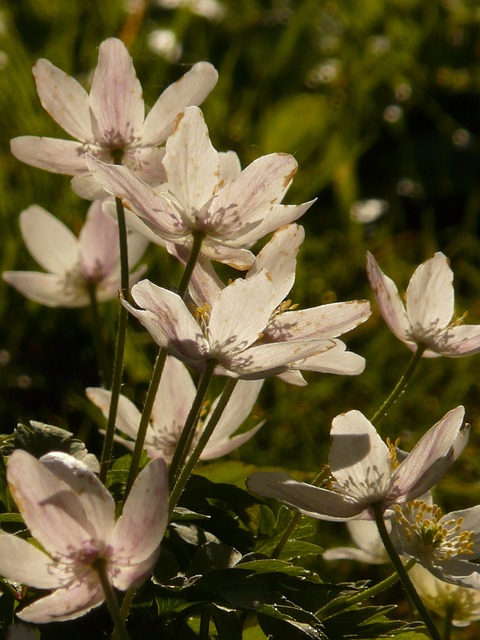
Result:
45,288
57,156
25,563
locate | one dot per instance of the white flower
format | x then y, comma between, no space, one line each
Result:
426,319
109,123
369,546
207,194
73,264
365,470
72,515
173,401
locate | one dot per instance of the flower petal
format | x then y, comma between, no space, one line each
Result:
308,499
460,341
139,530
64,98
45,288
336,360
128,416
173,401
25,563
433,454
278,216
98,244
116,101
191,89
57,156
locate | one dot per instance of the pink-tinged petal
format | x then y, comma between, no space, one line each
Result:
190,90
278,216
463,340
359,459
64,98
99,244
265,360
116,101
205,285
224,447
388,301
336,360
132,575
279,258
433,454
238,409
140,529
156,211
137,245
69,603
240,313
430,296
45,288
25,563
96,501
230,167
146,163
308,499
52,512
168,320
128,416
174,399
49,241
57,156
240,259
87,187
192,165
326,321
252,195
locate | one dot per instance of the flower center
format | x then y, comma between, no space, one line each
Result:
425,527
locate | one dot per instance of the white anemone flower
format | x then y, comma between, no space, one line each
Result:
173,401
110,122
427,318
74,265
368,548
365,470
207,194
72,516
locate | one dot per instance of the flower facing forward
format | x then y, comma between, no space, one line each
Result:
365,471
109,123
445,544
75,265
427,318
206,193
71,514
173,401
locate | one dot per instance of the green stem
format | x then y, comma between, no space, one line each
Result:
112,603
122,236
145,419
447,629
124,609
400,386
103,364
402,572
202,441
116,388
198,237
204,632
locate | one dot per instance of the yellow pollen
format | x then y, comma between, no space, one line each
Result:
392,452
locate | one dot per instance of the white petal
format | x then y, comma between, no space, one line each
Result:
278,216
463,340
191,89
230,167
358,458
116,101
173,401
128,416
430,296
99,244
336,360
49,241
57,156
25,563
64,98
45,288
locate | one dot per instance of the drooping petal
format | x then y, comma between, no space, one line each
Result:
308,499
116,100
430,296
433,454
57,156
51,510
45,288
64,99
68,603
22,562
139,530
98,504
49,241
389,301
191,89
358,458
192,165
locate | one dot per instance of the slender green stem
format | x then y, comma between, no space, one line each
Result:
402,572
447,628
111,599
198,237
116,387
145,419
124,609
400,386
103,364
202,441
204,632
122,236
188,432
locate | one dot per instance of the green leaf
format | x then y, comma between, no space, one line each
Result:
290,621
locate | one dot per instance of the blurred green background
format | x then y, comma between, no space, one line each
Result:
376,100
